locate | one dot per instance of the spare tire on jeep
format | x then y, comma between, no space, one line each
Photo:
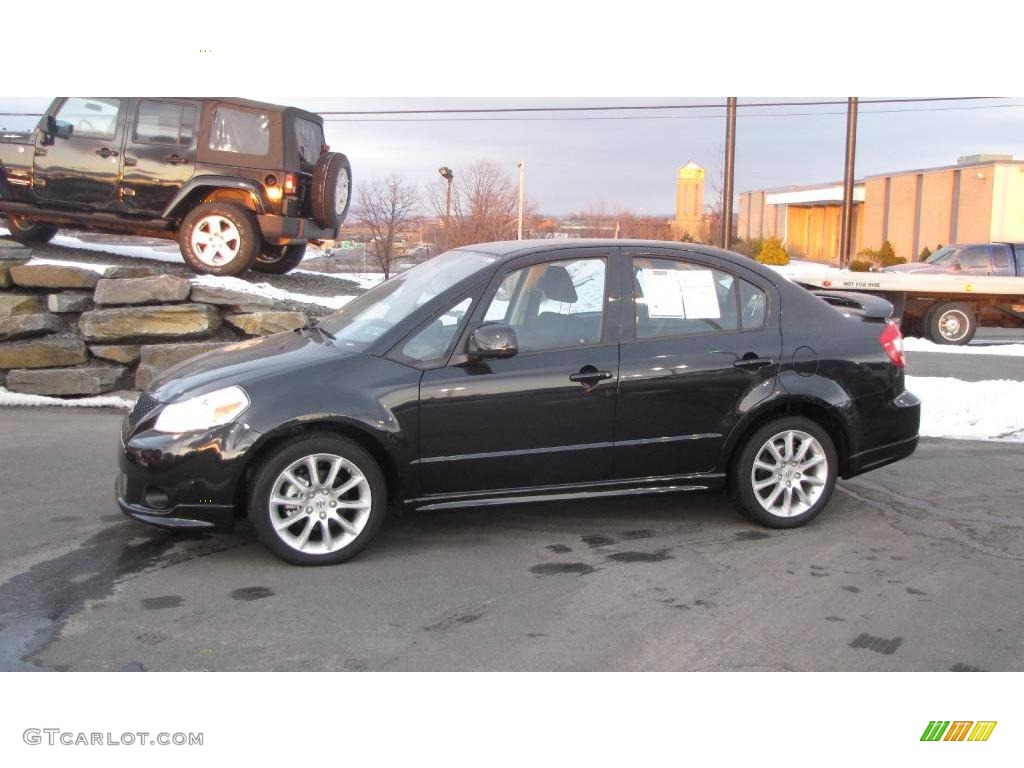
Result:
332,189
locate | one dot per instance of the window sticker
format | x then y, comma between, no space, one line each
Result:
680,293
699,295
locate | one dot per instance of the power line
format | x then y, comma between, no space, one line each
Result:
613,108
567,118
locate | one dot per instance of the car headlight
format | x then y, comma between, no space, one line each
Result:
202,412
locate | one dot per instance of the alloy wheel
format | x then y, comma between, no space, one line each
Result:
789,473
215,240
320,503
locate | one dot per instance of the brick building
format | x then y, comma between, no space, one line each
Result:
980,199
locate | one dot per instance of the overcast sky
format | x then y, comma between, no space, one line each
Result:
630,163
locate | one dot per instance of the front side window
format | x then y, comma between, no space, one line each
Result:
433,341
89,118
241,131
162,122
679,298
552,305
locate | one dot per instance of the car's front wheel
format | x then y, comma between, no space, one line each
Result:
279,259
785,473
220,238
26,231
318,500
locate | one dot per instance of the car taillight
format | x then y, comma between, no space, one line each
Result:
892,342
291,184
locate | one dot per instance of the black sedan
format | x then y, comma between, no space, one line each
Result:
521,372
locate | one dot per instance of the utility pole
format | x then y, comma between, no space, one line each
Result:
729,171
522,196
846,222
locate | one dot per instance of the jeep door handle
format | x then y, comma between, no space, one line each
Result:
176,159
131,161
589,375
106,152
753,363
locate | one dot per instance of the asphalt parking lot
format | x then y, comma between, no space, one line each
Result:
916,566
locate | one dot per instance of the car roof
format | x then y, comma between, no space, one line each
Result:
508,249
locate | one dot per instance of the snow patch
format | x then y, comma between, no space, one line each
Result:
970,410
8,398
365,280
100,268
269,291
914,344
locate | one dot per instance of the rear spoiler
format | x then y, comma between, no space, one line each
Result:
864,304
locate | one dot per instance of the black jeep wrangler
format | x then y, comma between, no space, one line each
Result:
238,183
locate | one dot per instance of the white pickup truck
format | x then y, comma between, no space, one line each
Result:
948,296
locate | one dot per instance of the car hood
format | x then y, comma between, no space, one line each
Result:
247,362
918,268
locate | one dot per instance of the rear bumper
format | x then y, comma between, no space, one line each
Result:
899,422
285,230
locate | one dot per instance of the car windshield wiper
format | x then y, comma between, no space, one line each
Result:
315,326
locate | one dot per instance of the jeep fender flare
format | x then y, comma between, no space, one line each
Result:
206,183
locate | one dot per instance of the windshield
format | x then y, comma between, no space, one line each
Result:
365,319
943,255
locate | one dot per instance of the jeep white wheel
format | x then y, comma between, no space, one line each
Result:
215,240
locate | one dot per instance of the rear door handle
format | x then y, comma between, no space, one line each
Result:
753,363
131,161
106,152
176,159
589,375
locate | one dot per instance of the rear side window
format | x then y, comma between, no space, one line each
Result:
1002,256
680,298
976,256
236,130
161,122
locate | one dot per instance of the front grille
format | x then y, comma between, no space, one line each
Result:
144,406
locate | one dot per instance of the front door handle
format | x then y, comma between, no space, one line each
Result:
131,161
106,152
589,375
753,363
176,159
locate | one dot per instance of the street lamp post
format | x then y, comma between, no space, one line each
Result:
447,175
522,196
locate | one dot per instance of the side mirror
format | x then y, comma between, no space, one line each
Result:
495,340
48,128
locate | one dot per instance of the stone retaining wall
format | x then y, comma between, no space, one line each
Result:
70,331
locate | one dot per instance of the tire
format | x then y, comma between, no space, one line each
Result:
752,502
240,238
278,259
343,541
332,190
951,322
26,232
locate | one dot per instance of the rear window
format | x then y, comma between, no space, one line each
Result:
236,130
310,140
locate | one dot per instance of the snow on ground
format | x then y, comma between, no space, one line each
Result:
100,401
970,410
101,268
270,291
914,344
365,280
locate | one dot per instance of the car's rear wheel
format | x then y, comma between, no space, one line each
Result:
331,193
220,238
952,322
26,231
785,473
279,259
318,500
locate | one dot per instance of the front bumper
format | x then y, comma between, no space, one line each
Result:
285,230
184,482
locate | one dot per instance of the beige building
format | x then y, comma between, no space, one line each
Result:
689,201
980,199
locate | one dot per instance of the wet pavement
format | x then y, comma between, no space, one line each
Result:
916,566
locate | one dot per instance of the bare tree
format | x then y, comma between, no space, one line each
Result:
385,206
485,205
